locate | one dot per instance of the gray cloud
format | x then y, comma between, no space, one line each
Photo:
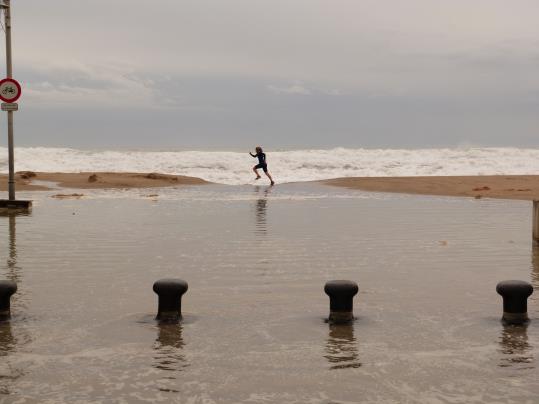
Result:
307,72
291,89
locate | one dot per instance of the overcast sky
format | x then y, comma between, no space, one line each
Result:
283,73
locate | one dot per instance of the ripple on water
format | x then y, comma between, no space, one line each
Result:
256,260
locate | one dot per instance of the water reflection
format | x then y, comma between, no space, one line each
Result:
13,271
535,266
341,347
168,348
515,349
8,372
7,340
261,209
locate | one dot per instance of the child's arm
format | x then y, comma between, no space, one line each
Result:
252,155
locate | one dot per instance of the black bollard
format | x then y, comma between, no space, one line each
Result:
341,300
7,289
515,300
170,293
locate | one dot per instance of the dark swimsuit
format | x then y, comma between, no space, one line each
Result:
261,161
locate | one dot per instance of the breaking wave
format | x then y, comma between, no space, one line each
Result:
286,166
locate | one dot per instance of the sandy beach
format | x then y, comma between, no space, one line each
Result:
26,180
522,187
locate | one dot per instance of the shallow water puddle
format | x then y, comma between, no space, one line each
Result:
256,260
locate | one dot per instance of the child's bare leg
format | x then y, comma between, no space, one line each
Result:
269,176
256,172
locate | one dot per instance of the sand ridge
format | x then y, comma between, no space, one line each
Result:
522,187
25,180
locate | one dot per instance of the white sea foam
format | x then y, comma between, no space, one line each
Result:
286,166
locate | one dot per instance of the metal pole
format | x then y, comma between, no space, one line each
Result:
9,71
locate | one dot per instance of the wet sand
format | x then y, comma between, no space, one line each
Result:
428,324
523,187
26,180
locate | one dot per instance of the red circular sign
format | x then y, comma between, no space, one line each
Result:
10,90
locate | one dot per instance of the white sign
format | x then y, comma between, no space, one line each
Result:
10,106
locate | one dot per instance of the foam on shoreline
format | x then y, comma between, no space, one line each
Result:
234,168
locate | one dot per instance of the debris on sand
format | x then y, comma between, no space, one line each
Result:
156,176
26,175
485,188
66,196
92,178
151,196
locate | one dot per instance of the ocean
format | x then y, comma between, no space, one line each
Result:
234,168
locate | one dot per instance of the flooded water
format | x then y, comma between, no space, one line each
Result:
256,259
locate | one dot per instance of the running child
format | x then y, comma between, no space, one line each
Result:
261,164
